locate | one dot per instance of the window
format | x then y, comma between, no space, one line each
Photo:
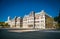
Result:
36,24
42,16
37,17
25,19
42,20
42,24
30,25
36,21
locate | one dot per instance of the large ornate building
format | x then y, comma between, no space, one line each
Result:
33,20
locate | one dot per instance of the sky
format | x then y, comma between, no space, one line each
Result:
20,8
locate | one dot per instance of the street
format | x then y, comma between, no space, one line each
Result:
41,34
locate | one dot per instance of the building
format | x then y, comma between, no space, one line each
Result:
28,20
16,22
39,20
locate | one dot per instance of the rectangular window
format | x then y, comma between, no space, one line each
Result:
30,25
36,21
36,17
42,20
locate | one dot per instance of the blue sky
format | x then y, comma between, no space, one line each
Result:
21,7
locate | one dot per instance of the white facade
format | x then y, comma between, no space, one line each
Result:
33,20
15,22
40,20
37,22
28,20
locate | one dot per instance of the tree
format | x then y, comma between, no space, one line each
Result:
3,24
6,25
57,18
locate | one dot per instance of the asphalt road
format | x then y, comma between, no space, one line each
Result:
5,34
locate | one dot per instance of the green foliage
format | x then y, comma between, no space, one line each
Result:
3,24
57,18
